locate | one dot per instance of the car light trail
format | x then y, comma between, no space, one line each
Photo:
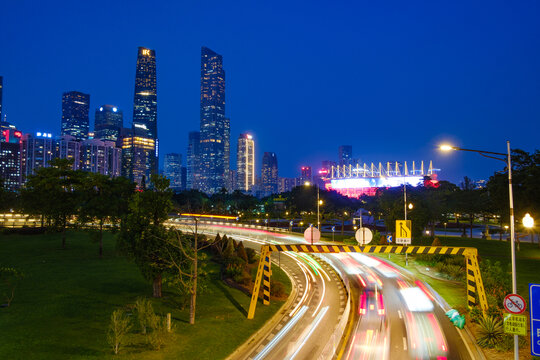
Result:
281,334
313,327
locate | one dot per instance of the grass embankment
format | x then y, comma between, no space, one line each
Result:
62,308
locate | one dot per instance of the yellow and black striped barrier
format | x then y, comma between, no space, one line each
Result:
475,286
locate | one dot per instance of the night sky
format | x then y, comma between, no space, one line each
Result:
390,78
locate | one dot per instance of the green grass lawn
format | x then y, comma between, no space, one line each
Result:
62,308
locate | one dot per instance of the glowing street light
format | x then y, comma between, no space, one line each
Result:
411,206
508,161
528,221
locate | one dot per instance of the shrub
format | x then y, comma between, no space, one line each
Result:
476,315
241,252
159,334
251,255
244,278
436,242
491,331
277,288
9,279
145,313
118,330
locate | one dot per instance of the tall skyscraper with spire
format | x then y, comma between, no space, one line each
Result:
145,105
213,160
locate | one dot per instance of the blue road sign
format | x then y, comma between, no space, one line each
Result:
333,228
534,299
266,221
290,223
389,238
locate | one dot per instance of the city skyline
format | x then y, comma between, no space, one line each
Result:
407,104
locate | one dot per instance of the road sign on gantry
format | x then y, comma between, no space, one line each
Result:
534,305
514,304
403,232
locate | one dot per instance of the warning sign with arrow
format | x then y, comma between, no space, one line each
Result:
403,232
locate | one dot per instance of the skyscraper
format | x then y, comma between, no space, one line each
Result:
145,104
214,126
137,149
269,174
245,162
172,166
1,89
345,155
100,156
193,152
10,157
75,109
306,175
109,122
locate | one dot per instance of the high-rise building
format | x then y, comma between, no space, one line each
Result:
68,147
245,162
136,151
214,126
193,153
345,155
100,156
269,174
145,105
286,184
306,175
183,177
1,90
10,157
172,166
37,152
109,122
75,119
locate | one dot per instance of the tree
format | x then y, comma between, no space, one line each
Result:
52,193
142,230
9,279
118,330
184,257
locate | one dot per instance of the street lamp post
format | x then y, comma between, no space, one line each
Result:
319,202
508,162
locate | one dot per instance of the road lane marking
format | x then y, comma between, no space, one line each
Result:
404,343
399,314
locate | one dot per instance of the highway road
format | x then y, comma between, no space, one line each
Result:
314,313
393,314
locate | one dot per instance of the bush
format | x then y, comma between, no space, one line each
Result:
491,331
476,315
244,278
507,343
159,334
436,242
145,313
251,255
118,330
9,279
234,267
277,288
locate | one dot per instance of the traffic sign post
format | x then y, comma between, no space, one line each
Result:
363,236
515,324
389,239
534,304
312,234
403,232
514,304
333,231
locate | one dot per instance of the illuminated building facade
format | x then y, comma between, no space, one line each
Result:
213,162
355,181
345,155
145,104
68,147
10,157
193,153
102,157
245,162
172,166
1,91
36,152
109,122
75,119
269,174
306,175
136,151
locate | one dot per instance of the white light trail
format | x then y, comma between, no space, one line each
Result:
313,327
281,333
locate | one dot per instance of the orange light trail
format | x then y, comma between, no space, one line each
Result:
211,216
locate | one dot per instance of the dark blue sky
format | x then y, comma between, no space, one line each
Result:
391,78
